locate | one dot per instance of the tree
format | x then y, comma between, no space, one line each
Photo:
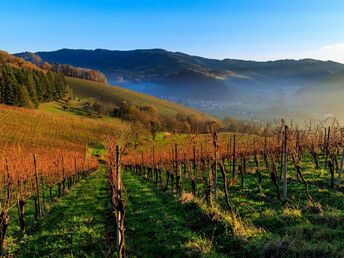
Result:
99,108
20,87
9,86
154,128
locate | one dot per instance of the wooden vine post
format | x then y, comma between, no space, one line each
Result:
215,143
177,170
37,199
194,172
285,160
63,175
4,216
119,206
155,170
327,145
233,156
340,168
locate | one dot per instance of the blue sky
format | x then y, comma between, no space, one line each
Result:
245,29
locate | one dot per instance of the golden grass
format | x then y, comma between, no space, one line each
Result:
115,94
34,128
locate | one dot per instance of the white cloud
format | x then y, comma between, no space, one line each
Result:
333,52
334,47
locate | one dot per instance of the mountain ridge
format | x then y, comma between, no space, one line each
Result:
142,65
244,88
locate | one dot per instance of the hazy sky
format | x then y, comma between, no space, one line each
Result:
245,29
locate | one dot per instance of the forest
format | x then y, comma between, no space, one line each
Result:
28,88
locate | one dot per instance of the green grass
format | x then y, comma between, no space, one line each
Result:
158,225
79,225
281,228
74,108
97,149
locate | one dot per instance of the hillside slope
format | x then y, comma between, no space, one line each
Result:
25,84
116,95
30,128
65,69
245,89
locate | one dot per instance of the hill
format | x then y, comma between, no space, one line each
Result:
116,95
28,128
155,64
65,69
229,87
25,84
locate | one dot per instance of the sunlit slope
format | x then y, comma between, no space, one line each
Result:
35,128
114,94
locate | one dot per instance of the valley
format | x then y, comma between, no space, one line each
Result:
250,90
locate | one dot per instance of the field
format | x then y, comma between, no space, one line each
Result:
37,128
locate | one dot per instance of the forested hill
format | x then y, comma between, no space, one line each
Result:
65,69
159,64
24,84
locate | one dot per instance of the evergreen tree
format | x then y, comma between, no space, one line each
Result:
29,83
9,86
23,99
21,87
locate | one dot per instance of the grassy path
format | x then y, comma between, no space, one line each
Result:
76,226
158,225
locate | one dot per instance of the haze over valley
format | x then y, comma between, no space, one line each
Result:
259,91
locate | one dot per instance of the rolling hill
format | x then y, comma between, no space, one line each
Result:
247,89
148,65
116,95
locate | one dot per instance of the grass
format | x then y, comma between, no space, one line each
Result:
114,94
75,108
78,226
37,128
158,225
277,228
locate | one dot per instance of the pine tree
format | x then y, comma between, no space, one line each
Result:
23,99
29,83
22,87
9,86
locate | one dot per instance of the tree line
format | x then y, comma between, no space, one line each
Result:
76,72
21,87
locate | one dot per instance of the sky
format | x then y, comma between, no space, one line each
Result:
241,29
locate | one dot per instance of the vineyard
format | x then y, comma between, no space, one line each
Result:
276,194
26,177
43,158
88,187
35,129
172,129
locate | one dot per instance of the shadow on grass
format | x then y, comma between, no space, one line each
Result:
158,225
76,226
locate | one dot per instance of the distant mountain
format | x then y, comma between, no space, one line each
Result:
155,64
242,88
